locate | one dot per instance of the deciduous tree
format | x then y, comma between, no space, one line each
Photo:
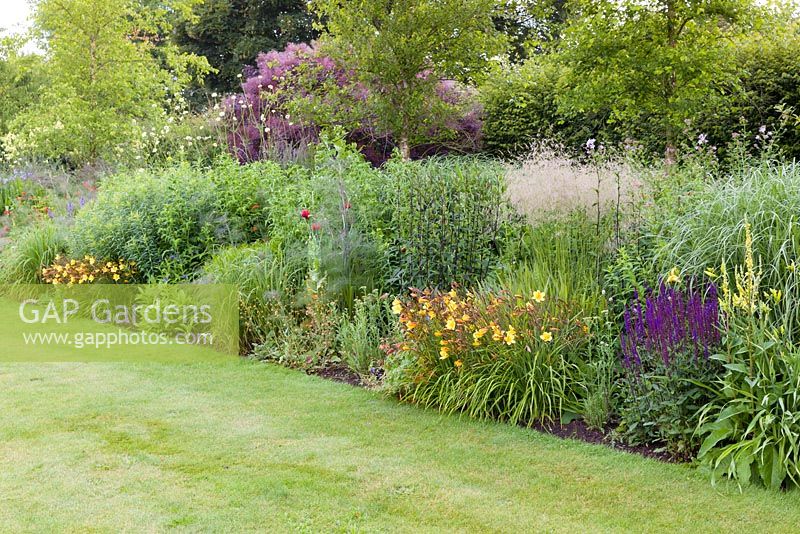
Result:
402,49
655,60
112,70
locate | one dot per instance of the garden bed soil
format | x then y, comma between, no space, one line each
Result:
339,373
578,430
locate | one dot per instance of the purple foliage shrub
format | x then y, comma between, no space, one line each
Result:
670,323
261,124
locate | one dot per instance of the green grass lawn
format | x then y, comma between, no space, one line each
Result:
244,446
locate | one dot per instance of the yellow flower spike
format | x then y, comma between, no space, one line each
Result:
451,324
538,296
547,337
710,272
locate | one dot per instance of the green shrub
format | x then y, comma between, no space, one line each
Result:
166,224
659,403
521,108
170,223
449,217
10,190
32,248
307,341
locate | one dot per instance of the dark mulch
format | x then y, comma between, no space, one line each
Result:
338,373
577,429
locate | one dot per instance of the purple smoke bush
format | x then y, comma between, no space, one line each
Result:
261,124
670,322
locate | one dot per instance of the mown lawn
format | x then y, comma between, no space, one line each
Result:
244,446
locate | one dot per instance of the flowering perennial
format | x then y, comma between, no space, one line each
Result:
454,325
671,321
87,271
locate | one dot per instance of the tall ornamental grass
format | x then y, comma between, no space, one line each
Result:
707,226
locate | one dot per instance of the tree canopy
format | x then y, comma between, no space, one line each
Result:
402,49
654,60
112,66
231,33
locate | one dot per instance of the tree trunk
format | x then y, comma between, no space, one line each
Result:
671,151
405,148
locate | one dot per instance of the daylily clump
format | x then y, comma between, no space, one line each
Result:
454,326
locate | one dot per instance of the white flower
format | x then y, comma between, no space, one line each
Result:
214,95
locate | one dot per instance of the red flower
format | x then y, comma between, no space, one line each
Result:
315,227
347,205
305,214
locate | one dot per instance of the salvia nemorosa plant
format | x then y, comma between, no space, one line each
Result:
670,322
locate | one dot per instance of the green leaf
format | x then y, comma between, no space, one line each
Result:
715,437
739,367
